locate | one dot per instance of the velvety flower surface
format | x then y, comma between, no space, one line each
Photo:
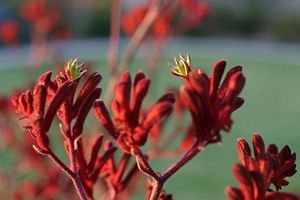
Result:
256,173
210,101
129,127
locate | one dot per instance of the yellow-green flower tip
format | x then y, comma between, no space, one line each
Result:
74,69
182,66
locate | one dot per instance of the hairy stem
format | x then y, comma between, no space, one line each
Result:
159,183
157,187
73,176
73,158
190,154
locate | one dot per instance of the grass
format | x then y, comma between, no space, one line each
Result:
272,108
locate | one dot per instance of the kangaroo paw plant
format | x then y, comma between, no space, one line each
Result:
117,157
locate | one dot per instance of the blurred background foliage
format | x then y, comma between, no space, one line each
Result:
276,20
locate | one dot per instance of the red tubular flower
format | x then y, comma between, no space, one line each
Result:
89,170
209,102
257,174
128,127
33,107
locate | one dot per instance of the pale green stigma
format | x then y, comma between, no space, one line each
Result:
75,69
182,66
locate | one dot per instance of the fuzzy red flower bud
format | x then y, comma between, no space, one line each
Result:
64,90
217,74
129,127
244,151
45,78
256,175
91,83
84,110
258,146
40,95
104,118
95,150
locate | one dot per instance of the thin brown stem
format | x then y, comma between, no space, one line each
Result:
190,154
73,158
158,183
144,165
140,33
134,43
157,187
114,43
73,176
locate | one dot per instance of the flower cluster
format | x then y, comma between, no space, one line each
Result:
33,107
130,127
209,101
256,174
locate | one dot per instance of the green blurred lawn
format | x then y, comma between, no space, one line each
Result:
272,108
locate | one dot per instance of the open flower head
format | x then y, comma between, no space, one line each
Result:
182,66
75,69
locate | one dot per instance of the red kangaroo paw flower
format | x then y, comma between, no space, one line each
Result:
84,110
64,90
257,174
104,118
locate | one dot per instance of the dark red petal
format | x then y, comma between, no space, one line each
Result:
91,83
216,77
258,146
157,113
139,93
234,193
229,74
235,86
84,110
122,96
139,76
45,79
29,100
272,149
40,95
243,151
238,103
284,153
95,150
104,118
244,177
62,93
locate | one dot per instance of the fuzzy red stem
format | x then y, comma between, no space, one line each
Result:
159,183
73,176
79,186
143,165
